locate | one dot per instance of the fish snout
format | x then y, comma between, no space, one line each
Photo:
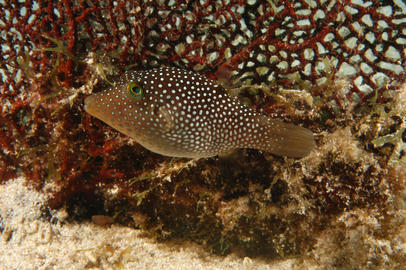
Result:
90,104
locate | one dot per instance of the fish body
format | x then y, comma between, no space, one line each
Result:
179,113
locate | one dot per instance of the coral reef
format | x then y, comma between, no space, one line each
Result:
335,67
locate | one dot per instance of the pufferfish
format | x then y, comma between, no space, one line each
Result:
178,113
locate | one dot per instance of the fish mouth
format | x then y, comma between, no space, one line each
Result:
92,106
89,105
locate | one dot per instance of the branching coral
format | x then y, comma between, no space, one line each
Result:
332,66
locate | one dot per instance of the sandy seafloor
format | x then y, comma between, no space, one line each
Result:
31,242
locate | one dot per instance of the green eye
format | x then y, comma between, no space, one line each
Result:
135,90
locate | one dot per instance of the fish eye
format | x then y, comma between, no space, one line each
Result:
135,89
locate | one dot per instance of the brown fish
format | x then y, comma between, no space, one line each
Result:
178,113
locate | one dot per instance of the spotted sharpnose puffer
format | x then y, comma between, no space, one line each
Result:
178,113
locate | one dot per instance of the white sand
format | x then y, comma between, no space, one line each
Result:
29,242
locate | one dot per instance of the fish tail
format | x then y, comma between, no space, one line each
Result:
284,139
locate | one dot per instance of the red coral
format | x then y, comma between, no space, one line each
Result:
46,135
262,41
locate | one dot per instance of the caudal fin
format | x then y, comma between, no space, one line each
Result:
287,139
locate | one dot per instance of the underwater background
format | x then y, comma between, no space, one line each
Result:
334,67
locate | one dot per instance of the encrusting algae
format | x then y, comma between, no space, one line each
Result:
178,113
